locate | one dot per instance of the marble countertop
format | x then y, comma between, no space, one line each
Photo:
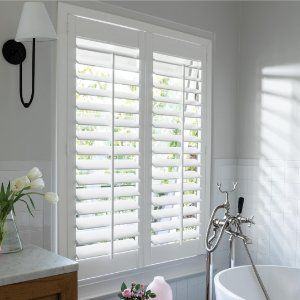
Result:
33,263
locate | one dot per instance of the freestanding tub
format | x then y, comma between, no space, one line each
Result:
240,283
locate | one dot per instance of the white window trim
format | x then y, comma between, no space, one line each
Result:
65,214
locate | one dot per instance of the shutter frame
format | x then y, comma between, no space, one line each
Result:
87,266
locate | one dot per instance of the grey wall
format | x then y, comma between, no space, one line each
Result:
26,134
269,44
268,138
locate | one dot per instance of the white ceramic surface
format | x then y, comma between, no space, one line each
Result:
240,283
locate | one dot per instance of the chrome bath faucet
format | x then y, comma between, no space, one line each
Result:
230,224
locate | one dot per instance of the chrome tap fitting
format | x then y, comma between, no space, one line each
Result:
248,221
229,223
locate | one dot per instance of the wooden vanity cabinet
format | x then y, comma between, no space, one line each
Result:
58,287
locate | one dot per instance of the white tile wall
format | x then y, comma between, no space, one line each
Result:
272,194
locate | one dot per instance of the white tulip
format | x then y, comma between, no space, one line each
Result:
20,183
51,197
37,184
34,173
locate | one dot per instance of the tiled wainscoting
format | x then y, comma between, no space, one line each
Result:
272,192
271,189
39,230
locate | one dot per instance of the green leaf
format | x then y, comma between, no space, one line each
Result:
28,208
137,286
123,287
8,191
2,188
120,296
31,201
152,295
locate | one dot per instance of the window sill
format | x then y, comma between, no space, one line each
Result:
109,285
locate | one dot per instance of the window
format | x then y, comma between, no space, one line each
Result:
136,126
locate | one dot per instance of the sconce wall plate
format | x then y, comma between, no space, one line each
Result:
14,52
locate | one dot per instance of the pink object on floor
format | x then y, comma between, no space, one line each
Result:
161,288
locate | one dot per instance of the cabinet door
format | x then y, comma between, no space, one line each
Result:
59,287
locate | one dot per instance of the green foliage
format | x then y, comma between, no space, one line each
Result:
6,201
123,287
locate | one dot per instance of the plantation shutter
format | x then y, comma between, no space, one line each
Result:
107,140
136,141
176,147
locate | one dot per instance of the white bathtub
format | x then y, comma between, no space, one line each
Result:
282,283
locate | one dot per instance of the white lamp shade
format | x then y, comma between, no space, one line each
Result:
35,23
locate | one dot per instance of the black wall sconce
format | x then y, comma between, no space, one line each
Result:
34,25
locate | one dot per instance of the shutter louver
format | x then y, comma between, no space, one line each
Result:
107,148
176,149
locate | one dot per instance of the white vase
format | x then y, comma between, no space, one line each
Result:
161,288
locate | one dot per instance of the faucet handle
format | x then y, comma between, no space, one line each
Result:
240,205
250,221
243,220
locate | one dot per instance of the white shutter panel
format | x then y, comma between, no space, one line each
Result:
176,148
107,145
135,101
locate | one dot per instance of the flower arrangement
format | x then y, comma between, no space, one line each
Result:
137,291
22,189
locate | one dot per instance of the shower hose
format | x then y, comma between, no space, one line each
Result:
255,269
